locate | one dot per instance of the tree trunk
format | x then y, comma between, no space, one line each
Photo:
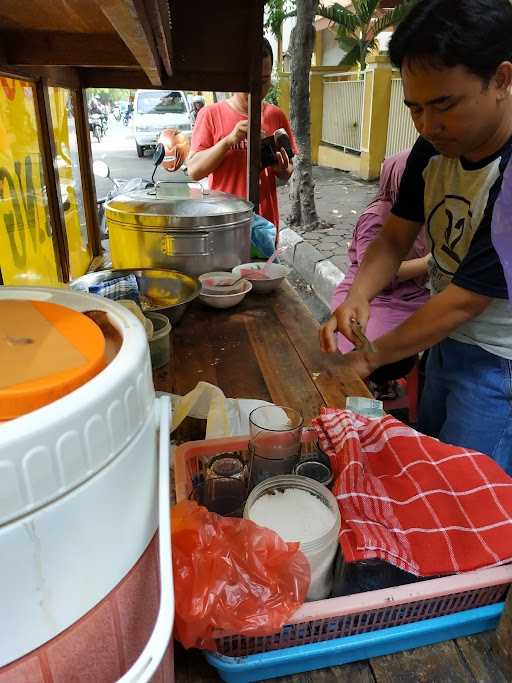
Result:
303,211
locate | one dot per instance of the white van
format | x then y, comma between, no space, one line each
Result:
154,110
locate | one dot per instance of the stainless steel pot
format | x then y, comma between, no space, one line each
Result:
179,226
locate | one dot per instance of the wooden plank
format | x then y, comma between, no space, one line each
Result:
286,377
86,173
237,374
331,377
63,77
47,146
358,672
38,48
441,663
130,20
158,14
218,81
484,658
504,632
58,15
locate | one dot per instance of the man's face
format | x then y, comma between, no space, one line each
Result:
453,109
266,80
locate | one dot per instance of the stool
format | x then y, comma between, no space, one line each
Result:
410,384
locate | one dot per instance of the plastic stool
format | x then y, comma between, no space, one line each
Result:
410,399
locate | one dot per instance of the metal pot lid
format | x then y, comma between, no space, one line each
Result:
179,206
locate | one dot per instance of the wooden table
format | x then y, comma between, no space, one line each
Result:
267,348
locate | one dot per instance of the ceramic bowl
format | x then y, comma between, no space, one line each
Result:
277,273
226,300
208,279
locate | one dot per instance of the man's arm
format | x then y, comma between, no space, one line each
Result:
434,321
380,264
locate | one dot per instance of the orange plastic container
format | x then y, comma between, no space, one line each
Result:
46,351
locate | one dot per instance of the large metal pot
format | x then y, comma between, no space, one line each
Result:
179,226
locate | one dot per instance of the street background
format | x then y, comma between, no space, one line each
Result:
340,197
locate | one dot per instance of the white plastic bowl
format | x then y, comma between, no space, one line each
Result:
277,273
226,300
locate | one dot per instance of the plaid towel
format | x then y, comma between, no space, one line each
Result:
420,504
124,287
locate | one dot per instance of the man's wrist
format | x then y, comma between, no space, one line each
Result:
376,358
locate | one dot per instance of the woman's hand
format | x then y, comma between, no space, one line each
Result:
354,308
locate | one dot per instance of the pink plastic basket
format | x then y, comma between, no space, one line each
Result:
353,614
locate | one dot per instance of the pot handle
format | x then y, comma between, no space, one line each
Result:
151,656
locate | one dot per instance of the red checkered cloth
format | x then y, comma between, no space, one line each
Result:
420,504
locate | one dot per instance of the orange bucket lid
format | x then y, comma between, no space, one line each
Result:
46,351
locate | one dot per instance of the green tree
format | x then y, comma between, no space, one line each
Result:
303,210
357,29
110,95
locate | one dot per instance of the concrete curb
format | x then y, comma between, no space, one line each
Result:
320,273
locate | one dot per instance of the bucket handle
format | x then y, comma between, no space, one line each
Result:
151,656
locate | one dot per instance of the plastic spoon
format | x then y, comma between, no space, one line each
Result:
271,260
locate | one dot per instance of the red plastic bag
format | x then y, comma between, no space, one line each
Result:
231,576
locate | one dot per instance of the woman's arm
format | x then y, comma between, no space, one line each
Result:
413,268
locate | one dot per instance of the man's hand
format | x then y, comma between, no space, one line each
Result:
360,362
354,308
284,167
238,133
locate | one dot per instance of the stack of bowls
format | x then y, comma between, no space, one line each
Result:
223,290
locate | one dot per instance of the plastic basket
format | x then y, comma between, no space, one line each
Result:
461,596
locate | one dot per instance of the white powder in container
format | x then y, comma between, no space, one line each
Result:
294,514
298,515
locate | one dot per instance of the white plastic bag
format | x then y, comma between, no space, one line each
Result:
224,416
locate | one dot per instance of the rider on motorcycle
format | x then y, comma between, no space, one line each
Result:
197,104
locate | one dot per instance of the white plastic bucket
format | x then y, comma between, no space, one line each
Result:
320,551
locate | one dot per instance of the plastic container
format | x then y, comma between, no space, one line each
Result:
160,343
321,550
353,627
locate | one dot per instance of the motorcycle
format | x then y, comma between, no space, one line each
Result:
127,116
102,170
96,126
116,111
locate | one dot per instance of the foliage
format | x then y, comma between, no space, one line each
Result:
357,29
273,94
276,11
111,95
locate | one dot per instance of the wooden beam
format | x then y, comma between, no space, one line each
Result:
130,20
64,77
47,147
158,14
255,50
41,48
86,173
180,80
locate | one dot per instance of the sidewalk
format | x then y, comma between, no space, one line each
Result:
320,256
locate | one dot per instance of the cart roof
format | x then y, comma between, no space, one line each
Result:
192,44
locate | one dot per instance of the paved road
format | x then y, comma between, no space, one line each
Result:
117,149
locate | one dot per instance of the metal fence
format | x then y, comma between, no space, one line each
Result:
401,131
343,111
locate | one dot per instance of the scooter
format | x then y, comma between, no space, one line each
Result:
102,170
96,126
